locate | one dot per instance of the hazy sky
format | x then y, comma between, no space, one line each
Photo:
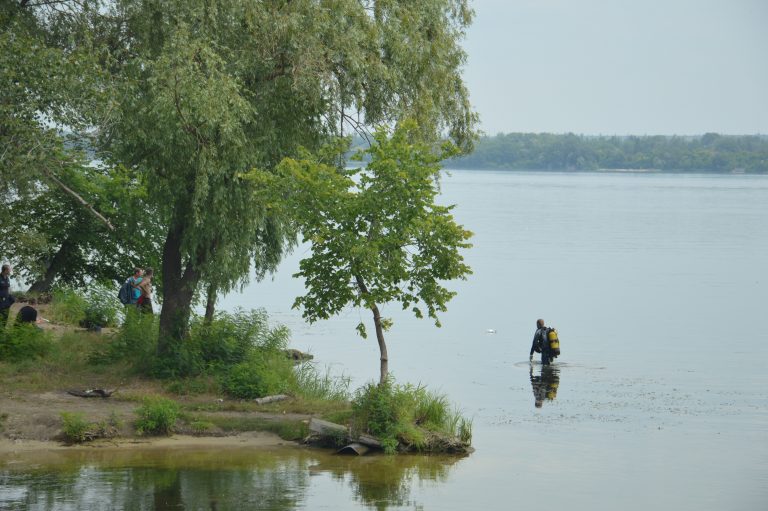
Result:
620,66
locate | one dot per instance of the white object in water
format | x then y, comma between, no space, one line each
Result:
490,331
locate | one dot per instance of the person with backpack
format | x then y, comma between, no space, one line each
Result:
129,292
544,341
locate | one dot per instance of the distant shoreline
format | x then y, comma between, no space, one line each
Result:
735,172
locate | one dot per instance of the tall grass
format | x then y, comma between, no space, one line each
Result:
310,383
67,306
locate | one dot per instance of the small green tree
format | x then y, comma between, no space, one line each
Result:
377,234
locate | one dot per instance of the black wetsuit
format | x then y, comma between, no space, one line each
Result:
540,339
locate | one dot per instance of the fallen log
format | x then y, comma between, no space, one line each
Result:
270,399
329,429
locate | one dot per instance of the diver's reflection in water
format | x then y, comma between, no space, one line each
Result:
545,384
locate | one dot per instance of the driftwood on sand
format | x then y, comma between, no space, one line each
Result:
270,399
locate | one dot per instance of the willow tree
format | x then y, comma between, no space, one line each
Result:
207,89
376,232
50,95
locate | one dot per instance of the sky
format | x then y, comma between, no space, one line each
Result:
619,67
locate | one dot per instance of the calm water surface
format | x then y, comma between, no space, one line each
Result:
657,285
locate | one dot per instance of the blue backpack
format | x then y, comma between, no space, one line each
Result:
125,293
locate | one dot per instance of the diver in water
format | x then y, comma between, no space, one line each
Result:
541,344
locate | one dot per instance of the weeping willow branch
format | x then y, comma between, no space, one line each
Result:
79,199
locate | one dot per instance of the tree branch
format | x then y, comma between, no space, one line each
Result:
79,199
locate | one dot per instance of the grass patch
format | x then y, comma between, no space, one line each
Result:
287,429
65,364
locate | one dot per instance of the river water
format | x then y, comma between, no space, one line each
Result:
657,284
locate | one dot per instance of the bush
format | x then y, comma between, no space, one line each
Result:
102,307
135,342
75,427
24,342
96,307
231,337
67,306
408,417
263,374
230,340
77,430
157,416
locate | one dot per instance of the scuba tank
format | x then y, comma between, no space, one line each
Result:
554,341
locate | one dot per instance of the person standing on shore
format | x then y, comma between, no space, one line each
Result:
541,344
6,299
144,302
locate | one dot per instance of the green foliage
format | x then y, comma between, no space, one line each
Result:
263,374
76,429
102,307
408,417
135,342
310,383
230,337
545,151
67,306
157,416
25,342
96,306
378,226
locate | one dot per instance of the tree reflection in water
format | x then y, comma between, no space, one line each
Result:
219,480
382,481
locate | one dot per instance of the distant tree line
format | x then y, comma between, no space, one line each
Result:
709,152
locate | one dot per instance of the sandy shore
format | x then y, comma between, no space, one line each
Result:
249,440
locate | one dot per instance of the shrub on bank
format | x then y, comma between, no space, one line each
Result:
97,306
157,416
24,342
407,417
76,429
135,342
67,306
263,374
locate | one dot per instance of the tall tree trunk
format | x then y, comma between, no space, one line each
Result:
210,303
178,289
383,358
57,263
